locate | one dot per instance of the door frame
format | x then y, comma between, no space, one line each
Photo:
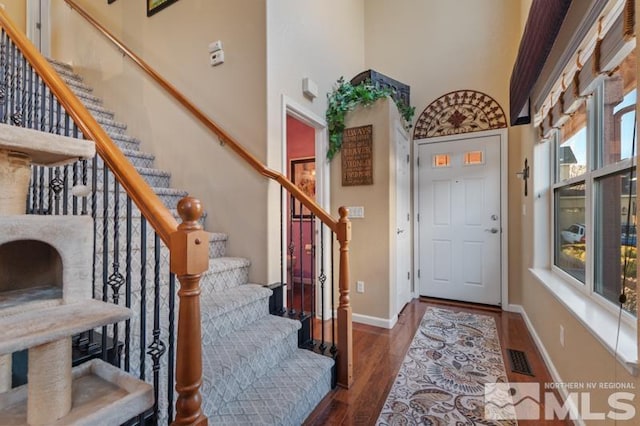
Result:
323,183
504,205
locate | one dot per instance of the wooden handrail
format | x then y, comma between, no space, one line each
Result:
210,124
158,216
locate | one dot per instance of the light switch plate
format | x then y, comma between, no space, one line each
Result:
356,212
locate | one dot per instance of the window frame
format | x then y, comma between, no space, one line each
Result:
594,171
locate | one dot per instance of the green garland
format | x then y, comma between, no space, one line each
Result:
346,97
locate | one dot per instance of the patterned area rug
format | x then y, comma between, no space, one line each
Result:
441,380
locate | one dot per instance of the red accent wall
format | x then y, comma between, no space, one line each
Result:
300,144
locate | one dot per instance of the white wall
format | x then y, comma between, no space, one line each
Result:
174,41
321,40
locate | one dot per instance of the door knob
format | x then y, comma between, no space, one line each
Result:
492,230
399,231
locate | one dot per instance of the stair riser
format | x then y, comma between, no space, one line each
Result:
87,97
220,390
225,280
136,161
66,71
217,249
100,114
215,327
71,82
155,181
126,143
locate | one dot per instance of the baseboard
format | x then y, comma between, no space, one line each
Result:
546,358
375,321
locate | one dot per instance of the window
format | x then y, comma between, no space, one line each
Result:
594,191
473,158
441,160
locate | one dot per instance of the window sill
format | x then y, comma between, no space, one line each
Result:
602,323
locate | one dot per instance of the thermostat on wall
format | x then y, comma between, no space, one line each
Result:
309,88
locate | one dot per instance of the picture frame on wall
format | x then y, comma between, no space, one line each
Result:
155,6
303,175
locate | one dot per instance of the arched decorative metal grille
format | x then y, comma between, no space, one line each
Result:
462,111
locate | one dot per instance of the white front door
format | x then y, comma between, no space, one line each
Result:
459,219
403,219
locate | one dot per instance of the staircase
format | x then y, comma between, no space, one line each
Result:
253,371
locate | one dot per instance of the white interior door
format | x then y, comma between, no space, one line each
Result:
38,25
459,222
403,219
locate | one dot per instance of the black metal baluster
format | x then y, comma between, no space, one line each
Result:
74,183
334,349
116,280
20,119
127,301
93,184
313,279
65,190
58,129
3,75
322,278
143,295
157,348
105,251
52,102
171,354
28,116
50,177
281,237
143,302
290,286
301,253
41,189
94,214
43,106
56,186
12,85
76,165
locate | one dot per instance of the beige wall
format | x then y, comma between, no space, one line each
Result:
321,40
438,46
17,10
175,42
441,46
372,248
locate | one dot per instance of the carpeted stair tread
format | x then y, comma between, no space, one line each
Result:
286,395
232,362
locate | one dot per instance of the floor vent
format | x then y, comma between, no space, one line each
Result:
519,362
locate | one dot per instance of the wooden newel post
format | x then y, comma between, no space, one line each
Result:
189,259
345,334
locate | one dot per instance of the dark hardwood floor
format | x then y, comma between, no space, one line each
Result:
378,354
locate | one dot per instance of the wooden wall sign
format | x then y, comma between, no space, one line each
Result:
357,156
